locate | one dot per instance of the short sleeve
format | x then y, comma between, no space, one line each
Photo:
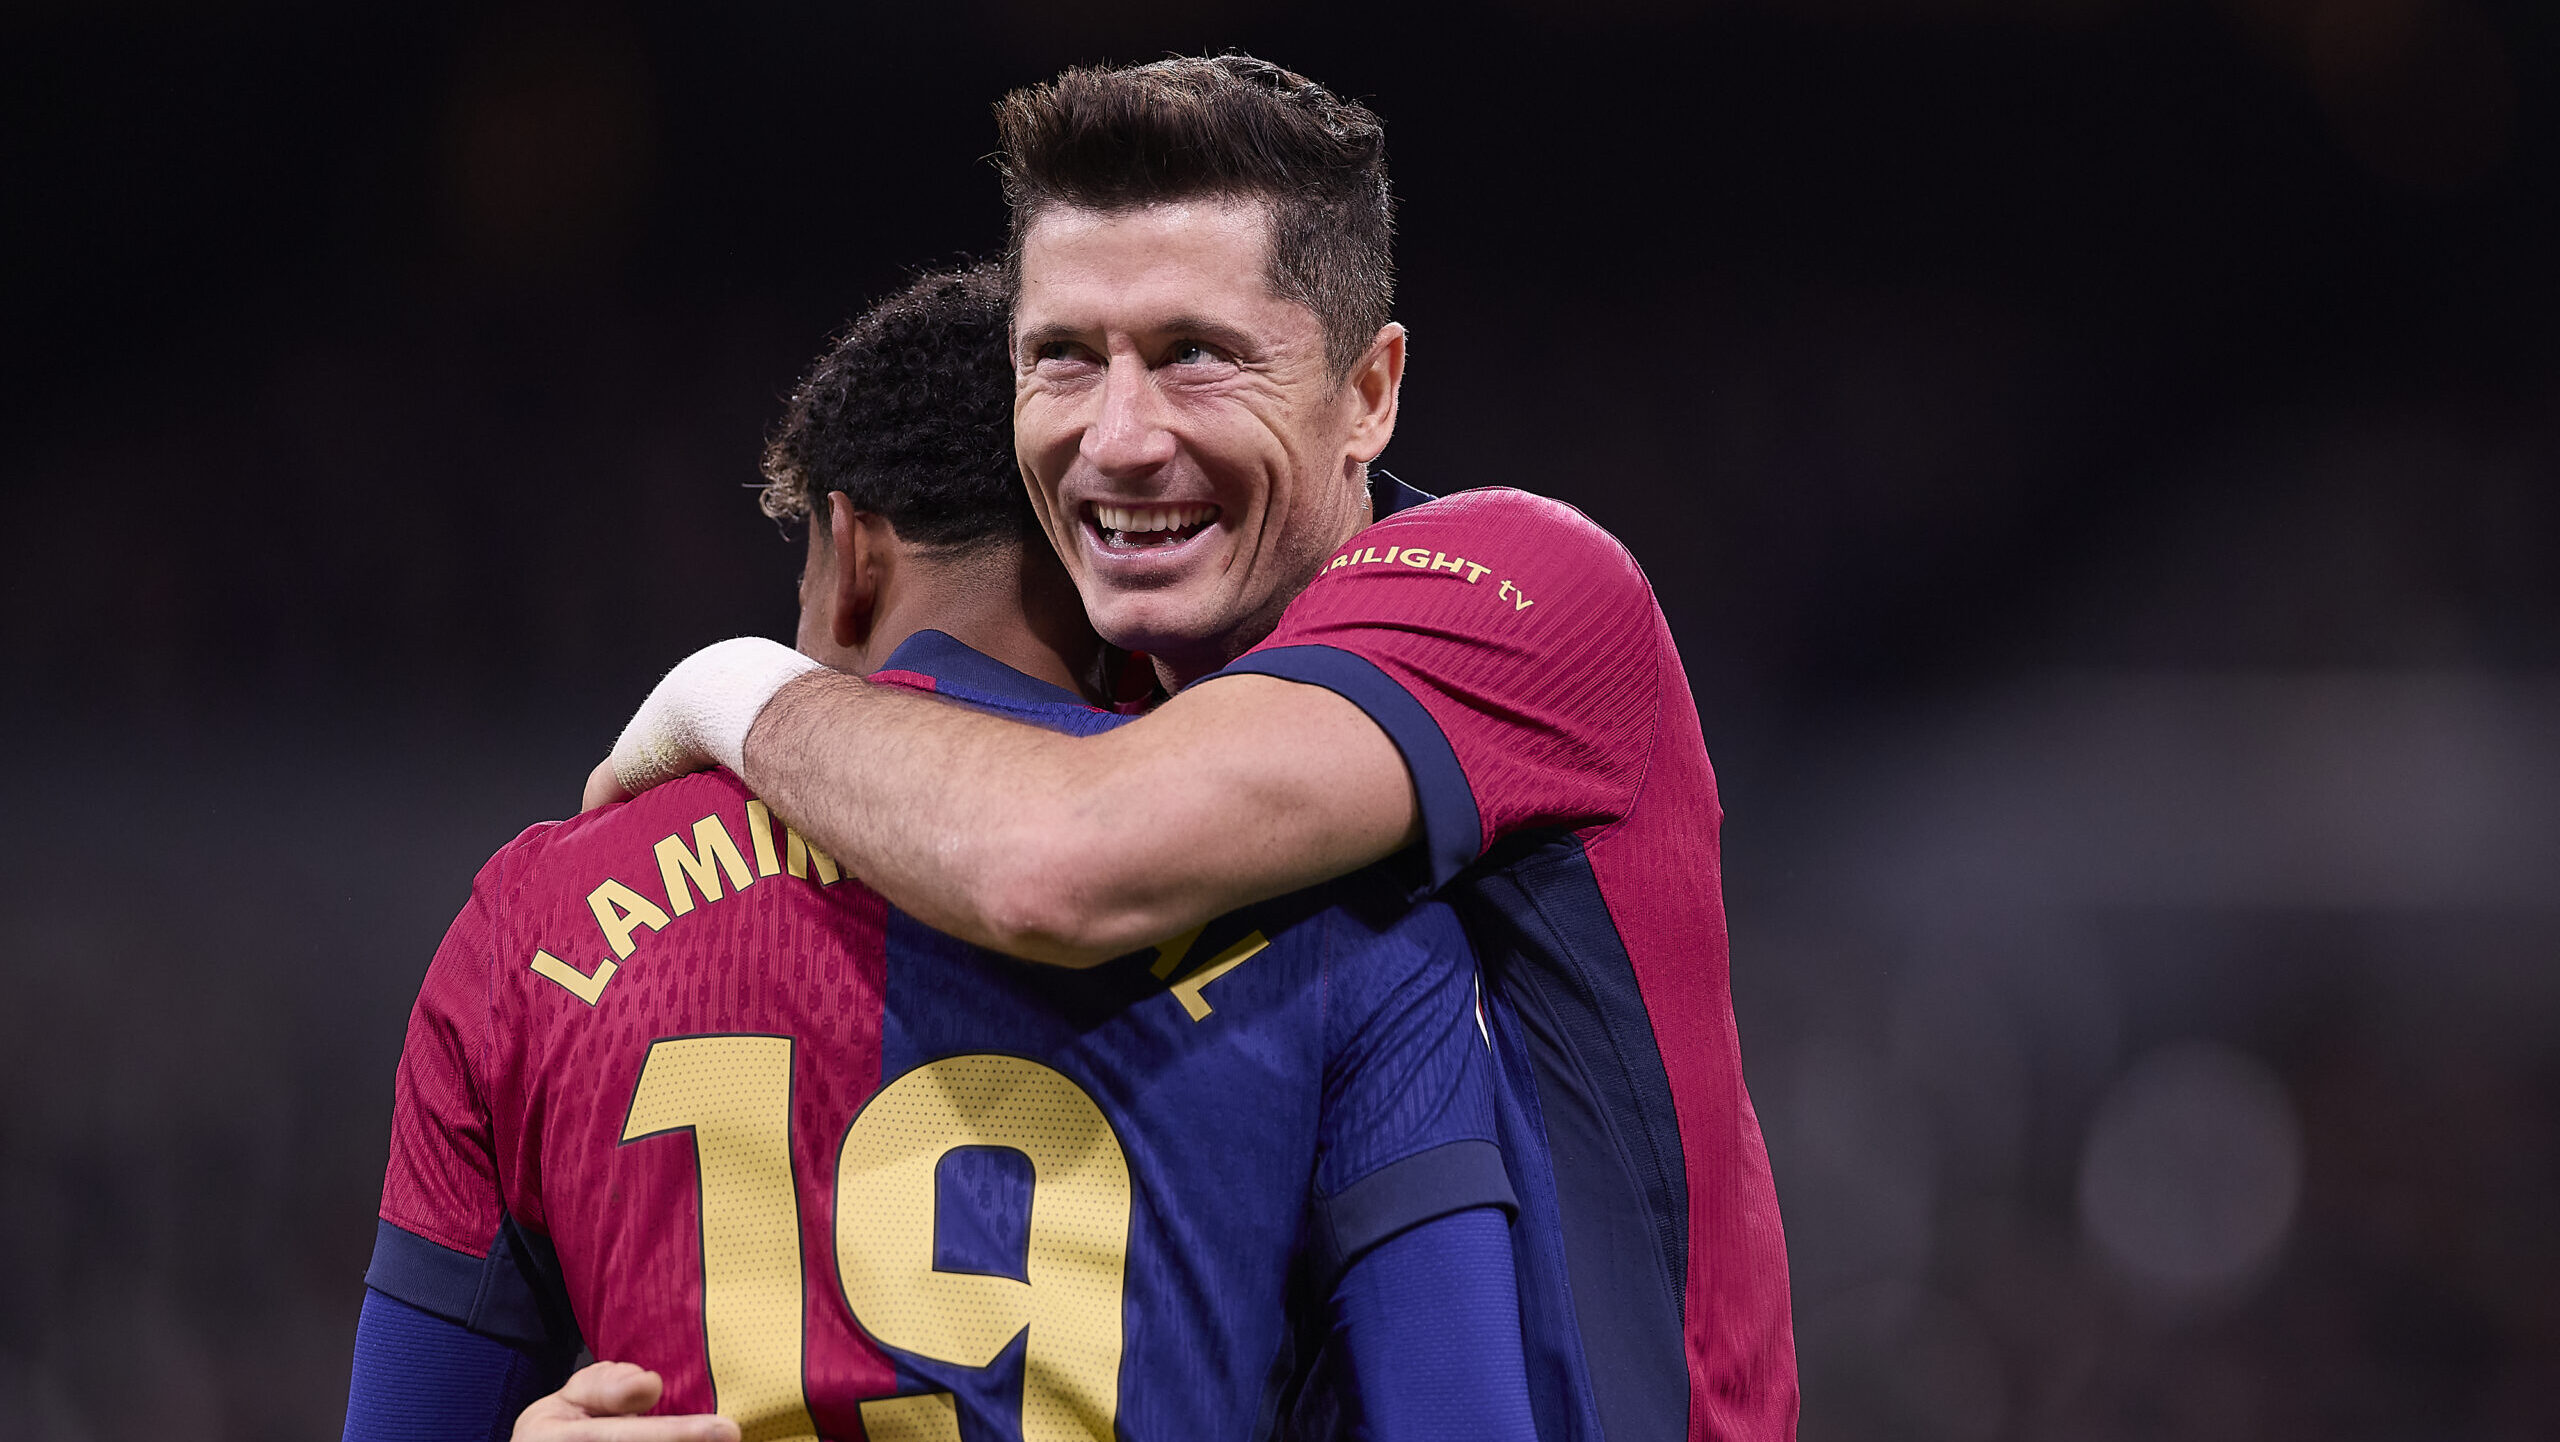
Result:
1407,1129
445,1244
1511,649
442,1182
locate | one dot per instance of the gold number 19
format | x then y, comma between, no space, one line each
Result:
734,1094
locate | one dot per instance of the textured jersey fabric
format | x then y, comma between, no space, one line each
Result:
421,1378
1516,656
1418,1289
676,1085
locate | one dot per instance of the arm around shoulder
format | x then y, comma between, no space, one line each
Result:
1072,850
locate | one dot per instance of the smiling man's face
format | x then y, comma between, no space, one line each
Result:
1188,452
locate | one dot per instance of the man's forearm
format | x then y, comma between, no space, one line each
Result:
1073,850
922,799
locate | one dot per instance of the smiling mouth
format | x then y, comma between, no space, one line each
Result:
1133,529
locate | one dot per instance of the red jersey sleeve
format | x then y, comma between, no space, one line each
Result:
1510,648
442,1183
446,1243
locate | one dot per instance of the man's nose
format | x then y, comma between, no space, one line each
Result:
1130,435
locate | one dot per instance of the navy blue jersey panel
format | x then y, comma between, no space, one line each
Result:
982,1212
1287,1051
1170,1090
1560,1390
1299,1046
1452,828
1401,1038
525,1295
1555,961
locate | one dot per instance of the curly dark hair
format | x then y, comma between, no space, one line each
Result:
910,414
1196,126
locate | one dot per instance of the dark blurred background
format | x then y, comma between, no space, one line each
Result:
2098,455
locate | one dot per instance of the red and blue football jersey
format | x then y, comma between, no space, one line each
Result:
1515,654
675,1085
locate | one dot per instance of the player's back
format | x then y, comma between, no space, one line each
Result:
829,1170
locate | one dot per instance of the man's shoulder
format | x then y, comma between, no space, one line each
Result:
1523,546
1500,503
550,852
1510,514
628,876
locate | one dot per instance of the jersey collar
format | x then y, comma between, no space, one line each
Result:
955,667
1387,495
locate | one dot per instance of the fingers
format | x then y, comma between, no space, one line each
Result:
603,787
613,1389
627,1429
603,1403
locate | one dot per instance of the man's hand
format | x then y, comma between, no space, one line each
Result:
698,714
603,787
604,1403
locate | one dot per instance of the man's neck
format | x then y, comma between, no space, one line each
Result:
1005,607
1174,673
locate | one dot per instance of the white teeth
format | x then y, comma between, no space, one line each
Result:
1151,518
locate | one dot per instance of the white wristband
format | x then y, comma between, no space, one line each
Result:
699,715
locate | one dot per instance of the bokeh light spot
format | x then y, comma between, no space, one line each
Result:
2192,1171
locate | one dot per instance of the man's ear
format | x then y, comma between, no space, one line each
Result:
1372,391
859,571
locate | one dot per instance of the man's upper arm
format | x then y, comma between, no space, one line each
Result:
444,1243
1252,789
1407,1130
442,1181
1509,647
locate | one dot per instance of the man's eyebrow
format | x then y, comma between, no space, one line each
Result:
1031,341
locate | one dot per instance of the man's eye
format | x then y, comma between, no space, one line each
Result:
1054,350
1190,353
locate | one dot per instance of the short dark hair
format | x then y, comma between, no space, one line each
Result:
910,414
1226,126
